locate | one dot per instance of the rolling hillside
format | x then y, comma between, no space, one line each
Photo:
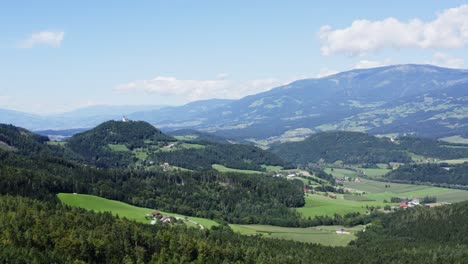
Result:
361,148
139,144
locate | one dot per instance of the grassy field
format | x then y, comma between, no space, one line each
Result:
221,168
140,154
186,137
56,143
98,204
118,147
325,235
376,193
454,161
341,173
455,139
319,205
374,173
272,168
376,190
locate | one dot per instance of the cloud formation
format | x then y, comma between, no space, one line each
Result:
45,38
324,72
444,60
449,30
365,64
191,90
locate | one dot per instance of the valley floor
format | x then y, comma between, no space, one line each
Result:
325,235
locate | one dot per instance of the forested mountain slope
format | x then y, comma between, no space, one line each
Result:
361,148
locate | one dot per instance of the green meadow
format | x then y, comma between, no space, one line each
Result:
98,204
118,147
376,193
325,235
222,168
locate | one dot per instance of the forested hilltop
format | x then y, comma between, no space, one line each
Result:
361,148
137,144
442,174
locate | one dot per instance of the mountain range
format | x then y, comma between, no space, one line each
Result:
420,100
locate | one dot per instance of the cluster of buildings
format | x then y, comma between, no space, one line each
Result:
157,216
409,203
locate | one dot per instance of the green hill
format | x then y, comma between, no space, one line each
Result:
361,148
19,139
442,173
349,147
139,144
101,144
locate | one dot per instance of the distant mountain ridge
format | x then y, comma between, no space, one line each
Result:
419,100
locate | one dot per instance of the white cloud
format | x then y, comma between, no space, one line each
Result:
5,98
191,90
448,31
365,64
444,60
325,72
46,38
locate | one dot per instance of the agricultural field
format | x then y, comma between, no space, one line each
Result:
270,168
340,173
222,168
98,204
375,194
454,161
118,147
455,139
374,172
179,146
381,191
325,235
320,205
186,137
56,143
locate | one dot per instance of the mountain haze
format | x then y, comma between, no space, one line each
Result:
419,100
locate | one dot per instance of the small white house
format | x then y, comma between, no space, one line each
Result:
341,231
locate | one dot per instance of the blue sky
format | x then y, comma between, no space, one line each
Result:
61,55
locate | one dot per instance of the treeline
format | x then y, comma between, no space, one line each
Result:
349,147
236,156
49,232
231,197
361,148
433,148
419,225
22,140
442,173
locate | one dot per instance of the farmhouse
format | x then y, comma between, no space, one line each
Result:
341,231
156,213
165,219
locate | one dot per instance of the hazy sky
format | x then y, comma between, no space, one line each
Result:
60,55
